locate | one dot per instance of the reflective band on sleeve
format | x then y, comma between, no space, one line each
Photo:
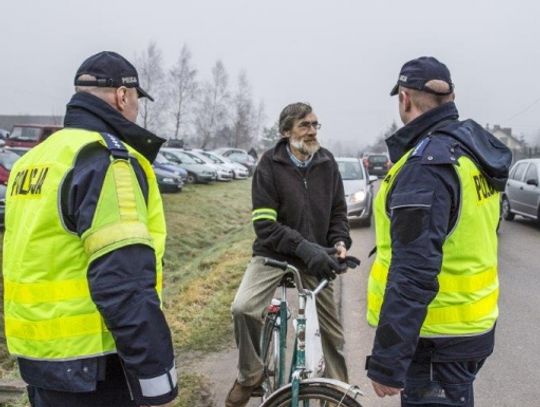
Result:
264,213
159,385
48,291
132,232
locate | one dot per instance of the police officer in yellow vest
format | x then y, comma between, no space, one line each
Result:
433,287
83,248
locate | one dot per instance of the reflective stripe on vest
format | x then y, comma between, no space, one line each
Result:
49,314
466,303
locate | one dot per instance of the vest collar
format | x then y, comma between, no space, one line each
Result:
89,112
409,135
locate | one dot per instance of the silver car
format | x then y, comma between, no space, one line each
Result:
198,171
358,189
521,195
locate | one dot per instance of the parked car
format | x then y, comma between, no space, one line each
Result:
2,205
164,164
197,170
29,135
521,194
168,181
377,164
224,172
239,171
4,134
238,155
7,159
358,186
20,151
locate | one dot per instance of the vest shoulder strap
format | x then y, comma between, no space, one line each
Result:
115,146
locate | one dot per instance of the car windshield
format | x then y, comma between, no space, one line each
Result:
350,170
195,158
213,158
7,159
377,158
25,133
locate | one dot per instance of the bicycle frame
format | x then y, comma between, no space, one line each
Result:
298,365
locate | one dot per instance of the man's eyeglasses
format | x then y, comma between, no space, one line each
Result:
306,125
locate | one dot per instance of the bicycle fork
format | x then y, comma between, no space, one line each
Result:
282,336
300,351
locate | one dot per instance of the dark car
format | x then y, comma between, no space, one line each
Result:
521,194
29,135
377,164
7,159
168,181
2,205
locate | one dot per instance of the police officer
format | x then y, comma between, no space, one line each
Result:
83,248
433,287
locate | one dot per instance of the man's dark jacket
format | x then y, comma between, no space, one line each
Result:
310,203
438,139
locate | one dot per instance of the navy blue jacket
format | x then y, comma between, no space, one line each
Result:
438,139
122,282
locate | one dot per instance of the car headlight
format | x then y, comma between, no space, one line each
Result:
359,196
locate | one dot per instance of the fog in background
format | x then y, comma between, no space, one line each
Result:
343,57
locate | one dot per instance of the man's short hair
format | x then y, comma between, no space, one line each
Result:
291,113
425,101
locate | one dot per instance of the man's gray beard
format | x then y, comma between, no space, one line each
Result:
304,148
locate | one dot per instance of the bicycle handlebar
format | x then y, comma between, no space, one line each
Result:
283,265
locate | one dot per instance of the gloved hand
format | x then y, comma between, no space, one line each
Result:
351,261
320,260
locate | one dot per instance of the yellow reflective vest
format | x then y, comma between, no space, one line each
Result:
466,303
49,314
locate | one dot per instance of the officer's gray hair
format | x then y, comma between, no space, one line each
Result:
291,113
94,90
425,101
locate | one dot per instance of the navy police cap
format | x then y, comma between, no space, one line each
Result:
417,72
111,70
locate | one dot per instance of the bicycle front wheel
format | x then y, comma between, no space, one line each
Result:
317,393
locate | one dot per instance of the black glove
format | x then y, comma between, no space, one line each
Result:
351,261
319,260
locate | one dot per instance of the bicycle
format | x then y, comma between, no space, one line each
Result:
300,387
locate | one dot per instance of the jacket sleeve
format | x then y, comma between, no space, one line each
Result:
420,207
122,284
268,229
339,225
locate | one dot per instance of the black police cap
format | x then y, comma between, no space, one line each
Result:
111,70
417,72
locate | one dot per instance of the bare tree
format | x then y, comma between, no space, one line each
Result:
245,116
183,90
151,77
270,136
212,108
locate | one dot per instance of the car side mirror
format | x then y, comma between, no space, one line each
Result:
532,181
372,179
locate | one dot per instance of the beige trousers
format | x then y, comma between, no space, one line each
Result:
254,295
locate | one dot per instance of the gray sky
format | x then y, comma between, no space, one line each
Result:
341,56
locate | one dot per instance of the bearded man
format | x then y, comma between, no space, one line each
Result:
299,216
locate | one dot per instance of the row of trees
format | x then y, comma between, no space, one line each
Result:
204,113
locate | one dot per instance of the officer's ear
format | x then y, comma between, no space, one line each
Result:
405,101
121,98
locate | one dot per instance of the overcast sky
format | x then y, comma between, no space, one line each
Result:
341,56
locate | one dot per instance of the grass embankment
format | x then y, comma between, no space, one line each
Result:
208,247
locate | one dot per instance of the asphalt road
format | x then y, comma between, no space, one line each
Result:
511,376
